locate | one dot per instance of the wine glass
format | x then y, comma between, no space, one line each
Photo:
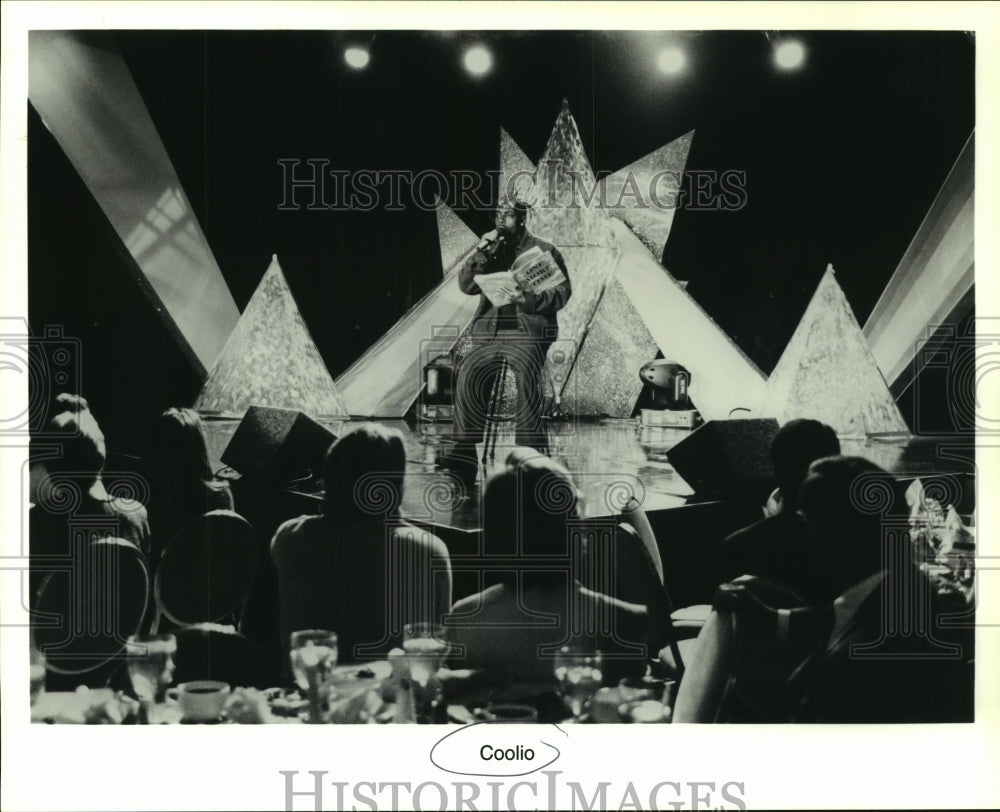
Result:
426,646
313,654
151,666
578,669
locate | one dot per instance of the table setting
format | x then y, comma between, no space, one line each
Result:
413,685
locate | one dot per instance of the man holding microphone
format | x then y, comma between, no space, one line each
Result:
518,332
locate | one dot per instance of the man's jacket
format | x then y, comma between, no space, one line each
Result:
537,316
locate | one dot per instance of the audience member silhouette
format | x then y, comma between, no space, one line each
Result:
61,403
181,484
73,505
775,547
888,656
877,653
69,402
514,627
360,569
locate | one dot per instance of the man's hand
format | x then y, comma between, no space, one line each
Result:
513,292
487,238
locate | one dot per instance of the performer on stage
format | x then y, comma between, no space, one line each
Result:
519,333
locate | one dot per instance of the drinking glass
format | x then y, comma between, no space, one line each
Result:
578,670
426,646
313,653
151,665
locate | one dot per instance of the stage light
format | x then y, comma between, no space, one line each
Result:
671,60
478,60
789,54
357,58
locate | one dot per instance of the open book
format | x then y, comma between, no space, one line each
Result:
534,271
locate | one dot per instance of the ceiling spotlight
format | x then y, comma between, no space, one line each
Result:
478,60
789,54
357,58
671,60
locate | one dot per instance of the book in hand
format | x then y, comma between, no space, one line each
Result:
498,287
534,271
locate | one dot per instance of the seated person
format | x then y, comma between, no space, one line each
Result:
514,628
72,500
775,548
181,484
360,569
887,657
875,653
63,402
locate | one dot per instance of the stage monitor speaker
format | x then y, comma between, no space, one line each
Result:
728,458
278,446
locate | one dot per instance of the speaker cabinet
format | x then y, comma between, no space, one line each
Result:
727,458
278,446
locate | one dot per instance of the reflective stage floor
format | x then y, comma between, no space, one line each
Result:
609,459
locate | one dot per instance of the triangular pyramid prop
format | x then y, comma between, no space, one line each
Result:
827,372
455,237
579,228
646,308
589,270
517,172
387,378
605,377
271,360
561,214
645,194
723,378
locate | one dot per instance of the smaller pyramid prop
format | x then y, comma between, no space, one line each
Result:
828,373
271,359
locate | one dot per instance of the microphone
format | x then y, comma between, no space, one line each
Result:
492,246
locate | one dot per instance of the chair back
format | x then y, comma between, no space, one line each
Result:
634,515
773,631
637,581
85,613
213,651
206,570
620,565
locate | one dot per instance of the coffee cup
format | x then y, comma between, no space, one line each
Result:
201,700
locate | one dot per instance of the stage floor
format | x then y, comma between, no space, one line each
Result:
609,459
